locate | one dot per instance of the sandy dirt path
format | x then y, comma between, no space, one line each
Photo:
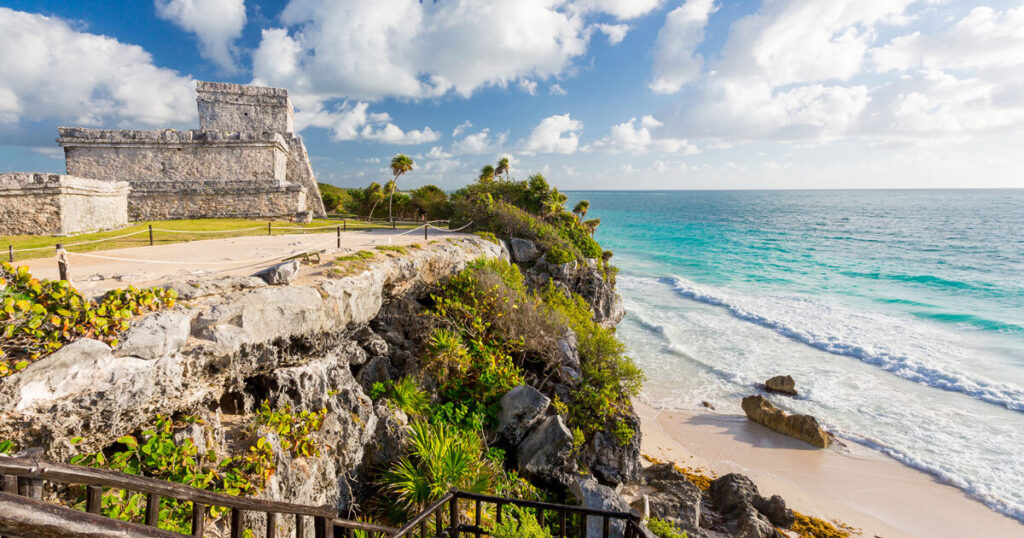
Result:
96,272
851,484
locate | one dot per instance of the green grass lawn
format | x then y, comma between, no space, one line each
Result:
196,227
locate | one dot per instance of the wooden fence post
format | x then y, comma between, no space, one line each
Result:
268,228
150,235
339,236
10,253
425,228
62,262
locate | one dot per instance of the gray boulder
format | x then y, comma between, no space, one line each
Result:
524,251
157,335
611,461
736,497
521,409
675,498
592,494
545,454
282,273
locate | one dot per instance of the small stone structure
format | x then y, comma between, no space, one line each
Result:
55,204
244,161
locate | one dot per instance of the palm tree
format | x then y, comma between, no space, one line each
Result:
591,225
581,209
502,168
400,164
487,174
376,193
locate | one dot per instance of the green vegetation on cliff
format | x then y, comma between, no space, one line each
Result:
41,316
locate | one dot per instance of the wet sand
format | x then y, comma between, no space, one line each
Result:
851,483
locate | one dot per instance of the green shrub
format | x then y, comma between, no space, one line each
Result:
294,430
41,316
557,255
664,529
7,447
409,397
361,255
392,248
489,237
520,523
610,378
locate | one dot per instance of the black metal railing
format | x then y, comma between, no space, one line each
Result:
456,514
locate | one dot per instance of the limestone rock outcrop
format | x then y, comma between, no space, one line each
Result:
591,494
670,495
736,498
803,427
524,251
521,409
544,456
783,384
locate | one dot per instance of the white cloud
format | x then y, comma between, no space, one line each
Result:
528,86
51,71
554,134
676,61
392,134
359,49
437,152
629,138
350,121
622,9
460,128
479,143
815,72
984,39
615,32
217,24
556,89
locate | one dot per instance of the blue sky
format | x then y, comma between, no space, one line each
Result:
596,94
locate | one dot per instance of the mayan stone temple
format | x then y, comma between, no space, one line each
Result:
244,161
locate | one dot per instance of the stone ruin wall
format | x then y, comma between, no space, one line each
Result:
226,199
56,204
235,107
141,157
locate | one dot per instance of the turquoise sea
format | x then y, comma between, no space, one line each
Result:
900,313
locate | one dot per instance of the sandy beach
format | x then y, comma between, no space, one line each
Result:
851,484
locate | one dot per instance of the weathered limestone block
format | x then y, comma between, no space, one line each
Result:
803,427
783,384
170,155
592,494
236,107
521,408
160,200
544,454
56,204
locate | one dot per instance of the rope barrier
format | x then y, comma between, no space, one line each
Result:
455,230
207,231
198,262
84,242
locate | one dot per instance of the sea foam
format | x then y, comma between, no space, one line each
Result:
906,348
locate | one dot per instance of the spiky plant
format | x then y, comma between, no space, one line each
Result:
440,457
487,174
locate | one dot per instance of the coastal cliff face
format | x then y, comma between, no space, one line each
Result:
232,344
